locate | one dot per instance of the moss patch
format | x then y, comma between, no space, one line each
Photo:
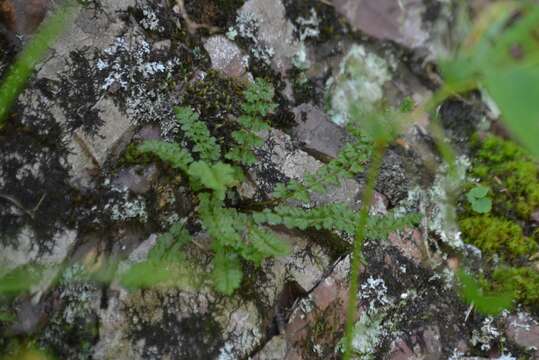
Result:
510,173
506,233
213,12
497,236
523,281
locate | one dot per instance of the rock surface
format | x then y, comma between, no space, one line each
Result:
226,56
79,199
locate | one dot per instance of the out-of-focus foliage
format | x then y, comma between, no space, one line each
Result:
22,69
501,56
486,303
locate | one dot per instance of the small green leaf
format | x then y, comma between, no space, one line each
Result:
482,206
217,177
170,153
478,192
268,243
226,273
477,197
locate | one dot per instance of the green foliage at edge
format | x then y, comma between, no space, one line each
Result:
22,69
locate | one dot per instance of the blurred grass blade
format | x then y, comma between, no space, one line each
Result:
22,69
488,304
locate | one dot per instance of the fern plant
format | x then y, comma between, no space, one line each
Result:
258,104
235,235
350,161
165,262
205,145
246,236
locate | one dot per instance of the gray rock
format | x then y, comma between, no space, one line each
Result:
275,31
410,243
308,271
404,22
29,317
393,180
226,56
27,250
424,346
386,19
319,135
524,331
91,152
432,342
148,132
81,33
163,45
275,349
535,216
137,179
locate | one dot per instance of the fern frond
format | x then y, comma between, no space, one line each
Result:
326,217
267,243
381,226
171,153
204,144
259,98
227,273
350,161
217,177
258,103
334,217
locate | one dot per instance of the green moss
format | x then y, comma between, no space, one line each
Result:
497,236
513,179
510,173
214,97
522,281
133,156
213,12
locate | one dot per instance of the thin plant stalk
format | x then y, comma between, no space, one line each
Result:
359,238
22,69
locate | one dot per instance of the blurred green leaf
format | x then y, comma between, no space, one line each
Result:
485,303
6,317
20,279
502,56
516,92
22,69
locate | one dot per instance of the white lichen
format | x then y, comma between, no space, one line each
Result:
358,84
130,66
309,27
436,204
246,27
486,335
127,209
375,291
367,335
150,20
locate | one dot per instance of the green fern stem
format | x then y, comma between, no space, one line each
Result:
359,238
